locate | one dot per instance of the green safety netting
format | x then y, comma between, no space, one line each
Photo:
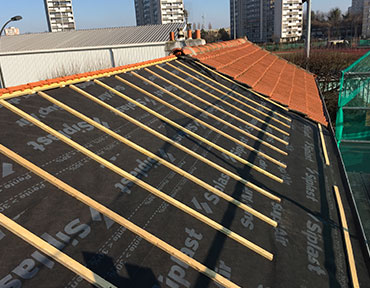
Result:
364,42
353,117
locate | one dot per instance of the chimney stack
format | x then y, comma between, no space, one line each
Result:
176,44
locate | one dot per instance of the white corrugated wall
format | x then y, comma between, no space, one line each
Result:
21,68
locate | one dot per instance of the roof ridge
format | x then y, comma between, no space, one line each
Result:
99,28
215,46
30,88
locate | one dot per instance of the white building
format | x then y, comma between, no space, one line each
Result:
59,15
11,31
150,12
32,57
288,24
266,20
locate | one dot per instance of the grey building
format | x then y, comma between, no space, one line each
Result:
59,15
357,7
252,18
366,20
259,19
150,12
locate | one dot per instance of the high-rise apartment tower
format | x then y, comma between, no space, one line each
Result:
366,20
59,15
266,20
357,7
149,12
288,20
252,18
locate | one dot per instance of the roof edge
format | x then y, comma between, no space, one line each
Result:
33,87
98,28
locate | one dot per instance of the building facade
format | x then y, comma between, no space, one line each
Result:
59,15
252,18
260,20
356,7
288,26
11,31
150,12
366,20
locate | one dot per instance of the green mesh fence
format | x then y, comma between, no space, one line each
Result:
292,46
364,42
353,117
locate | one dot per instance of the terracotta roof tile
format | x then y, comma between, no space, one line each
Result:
232,56
270,78
256,72
237,67
266,73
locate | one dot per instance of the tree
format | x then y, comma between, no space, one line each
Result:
357,22
223,35
334,19
347,20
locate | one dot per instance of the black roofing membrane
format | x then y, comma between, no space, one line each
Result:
307,245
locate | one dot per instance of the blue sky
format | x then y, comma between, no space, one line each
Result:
113,13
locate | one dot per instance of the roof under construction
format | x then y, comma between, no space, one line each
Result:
169,174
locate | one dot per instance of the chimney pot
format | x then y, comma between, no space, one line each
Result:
190,34
197,34
172,36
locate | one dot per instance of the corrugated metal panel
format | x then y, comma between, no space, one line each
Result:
89,38
24,68
124,56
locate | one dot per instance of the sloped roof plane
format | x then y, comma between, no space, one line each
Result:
89,38
168,174
265,73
